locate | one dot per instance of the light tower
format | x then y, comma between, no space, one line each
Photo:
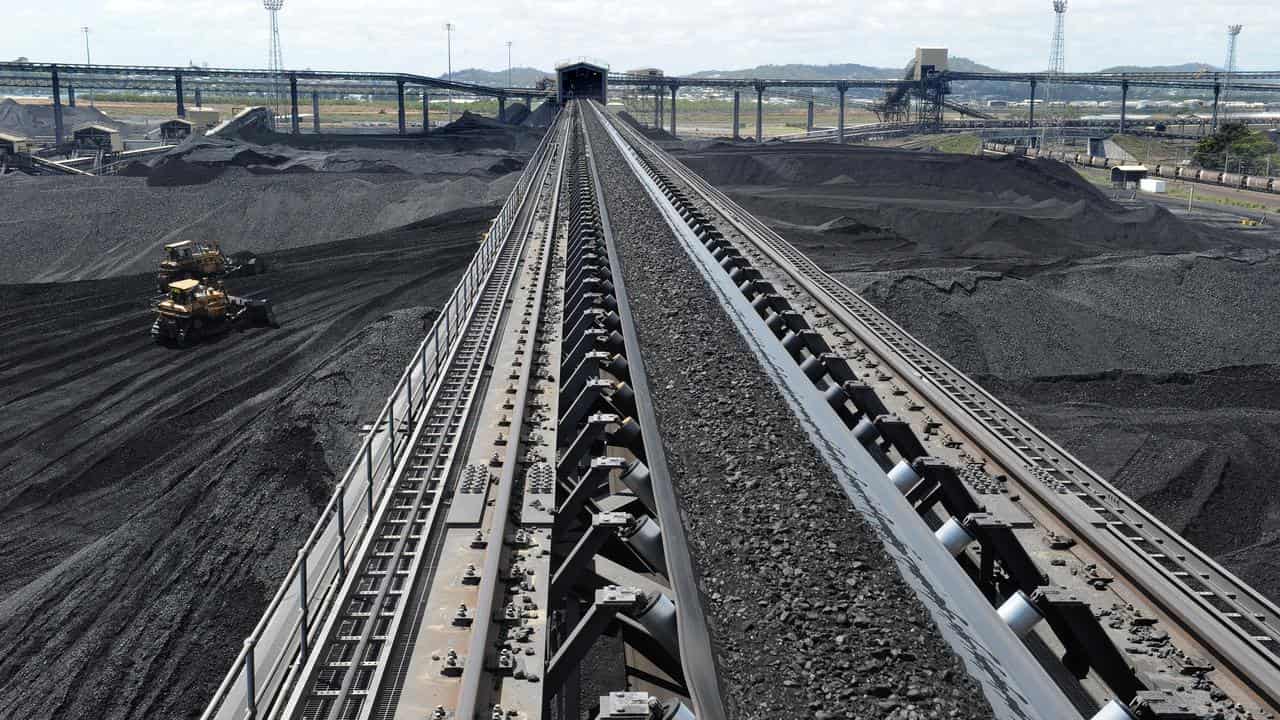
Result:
448,31
87,60
1056,65
1233,33
275,61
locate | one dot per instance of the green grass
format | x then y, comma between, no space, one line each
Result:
959,144
1181,191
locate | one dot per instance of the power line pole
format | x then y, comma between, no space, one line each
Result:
509,64
87,61
448,29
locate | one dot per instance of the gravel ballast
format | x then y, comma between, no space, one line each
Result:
809,616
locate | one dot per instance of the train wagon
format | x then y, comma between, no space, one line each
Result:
1235,180
1264,184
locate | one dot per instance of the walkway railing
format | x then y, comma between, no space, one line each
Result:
266,663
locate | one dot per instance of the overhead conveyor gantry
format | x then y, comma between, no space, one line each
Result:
153,77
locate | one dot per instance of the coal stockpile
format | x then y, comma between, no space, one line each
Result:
37,120
1197,449
153,497
809,616
1142,342
73,228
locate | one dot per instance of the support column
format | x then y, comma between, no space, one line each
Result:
177,86
737,98
1031,117
199,99
1217,91
315,111
426,113
662,108
1124,102
673,109
294,127
57,107
808,124
842,88
71,96
502,108
400,105
759,114
657,110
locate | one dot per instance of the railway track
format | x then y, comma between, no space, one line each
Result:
509,542
1080,537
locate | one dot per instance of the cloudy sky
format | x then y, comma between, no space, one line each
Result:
676,35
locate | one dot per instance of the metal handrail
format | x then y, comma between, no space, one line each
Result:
372,465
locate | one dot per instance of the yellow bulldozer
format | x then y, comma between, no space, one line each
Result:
192,310
203,259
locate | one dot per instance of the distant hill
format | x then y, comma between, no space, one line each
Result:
520,76
832,72
802,72
1185,67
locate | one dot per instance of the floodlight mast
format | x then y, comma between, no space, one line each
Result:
448,29
1233,34
1057,65
275,60
87,61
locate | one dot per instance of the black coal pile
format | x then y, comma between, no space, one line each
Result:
261,191
37,120
68,228
653,133
1143,343
939,206
516,114
543,116
153,498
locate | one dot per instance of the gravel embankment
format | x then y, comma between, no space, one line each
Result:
809,615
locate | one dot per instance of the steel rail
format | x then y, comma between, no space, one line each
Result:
364,483
697,658
468,361
475,670
1211,604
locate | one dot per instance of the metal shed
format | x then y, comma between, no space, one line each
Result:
1128,175
99,137
582,79
14,144
175,129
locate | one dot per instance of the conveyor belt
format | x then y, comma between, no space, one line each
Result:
1210,607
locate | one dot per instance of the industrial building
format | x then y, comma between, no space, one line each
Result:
14,144
98,137
582,80
203,117
175,130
